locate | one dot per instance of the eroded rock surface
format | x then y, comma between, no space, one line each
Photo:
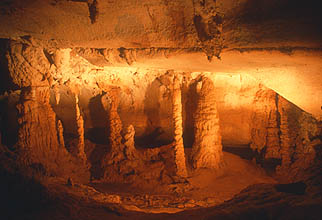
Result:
284,135
180,158
207,147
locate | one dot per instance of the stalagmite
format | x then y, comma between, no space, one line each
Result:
80,131
110,101
37,132
180,160
265,125
60,134
130,150
207,147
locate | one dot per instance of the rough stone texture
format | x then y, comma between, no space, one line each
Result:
123,163
157,23
208,23
207,147
32,65
284,135
38,144
80,132
111,102
111,162
60,129
129,144
180,159
37,132
265,128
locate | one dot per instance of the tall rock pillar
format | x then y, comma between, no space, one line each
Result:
110,102
180,160
207,147
80,132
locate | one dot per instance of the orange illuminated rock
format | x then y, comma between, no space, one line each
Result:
207,147
111,102
180,160
129,144
60,134
284,135
80,131
37,132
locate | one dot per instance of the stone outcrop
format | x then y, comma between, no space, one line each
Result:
283,135
180,159
207,147
37,132
40,145
265,131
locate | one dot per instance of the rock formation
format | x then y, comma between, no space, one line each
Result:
60,129
111,161
57,94
80,132
180,159
266,124
111,102
284,136
207,147
40,145
37,132
129,145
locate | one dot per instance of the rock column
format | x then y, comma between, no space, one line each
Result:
130,150
60,131
207,147
180,160
37,132
110,101
80,132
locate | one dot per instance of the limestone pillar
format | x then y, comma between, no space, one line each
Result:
80,132
129,146
180,160
37,131
60,130
207,146
110,101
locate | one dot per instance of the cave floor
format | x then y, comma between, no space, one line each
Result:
205,188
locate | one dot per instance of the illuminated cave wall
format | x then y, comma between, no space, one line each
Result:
250,114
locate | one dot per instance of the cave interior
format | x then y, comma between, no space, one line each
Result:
198,109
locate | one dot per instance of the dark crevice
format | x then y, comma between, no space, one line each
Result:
93,10
200,28
297,188
49,57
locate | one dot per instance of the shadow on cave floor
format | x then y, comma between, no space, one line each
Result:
244,151
152,140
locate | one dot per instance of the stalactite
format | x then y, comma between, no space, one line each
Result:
80,131
207,147
180,160
57,95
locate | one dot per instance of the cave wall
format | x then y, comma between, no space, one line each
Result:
249,112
